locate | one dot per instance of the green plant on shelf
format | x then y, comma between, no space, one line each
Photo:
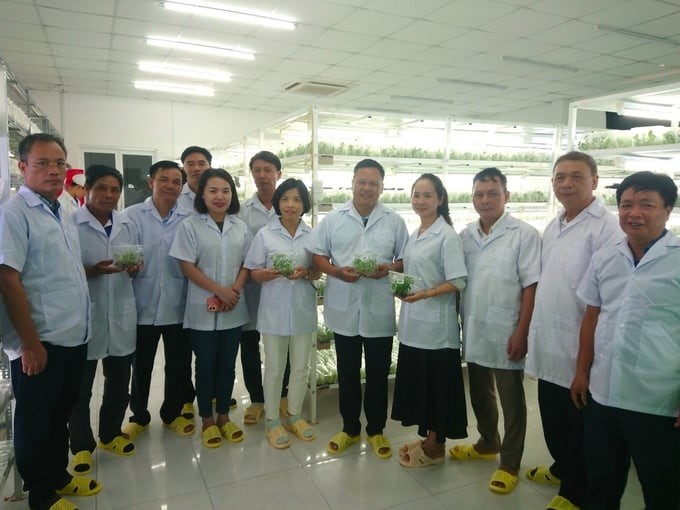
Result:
343,149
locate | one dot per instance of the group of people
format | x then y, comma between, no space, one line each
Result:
592,306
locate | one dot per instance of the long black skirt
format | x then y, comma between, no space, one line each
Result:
429,392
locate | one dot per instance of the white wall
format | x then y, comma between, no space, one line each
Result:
166,127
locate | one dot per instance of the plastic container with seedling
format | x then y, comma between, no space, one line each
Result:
403,284
284,262
127,255
365,264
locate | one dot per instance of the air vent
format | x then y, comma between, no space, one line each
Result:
316,88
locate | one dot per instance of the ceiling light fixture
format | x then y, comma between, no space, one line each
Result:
638,35
208,49
538,63
230,14
175,88
421,99
466,83
182,71
649,110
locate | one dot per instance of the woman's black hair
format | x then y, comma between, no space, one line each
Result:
289,184
199,202
443,208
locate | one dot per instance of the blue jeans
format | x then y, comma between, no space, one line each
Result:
215,368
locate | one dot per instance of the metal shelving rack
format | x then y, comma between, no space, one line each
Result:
6,436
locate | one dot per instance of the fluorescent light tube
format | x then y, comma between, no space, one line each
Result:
466,83
538,63
182,71
638,35
209,49
421,99
230,14
175,88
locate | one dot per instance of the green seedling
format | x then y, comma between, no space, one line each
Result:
365,265
283,263
402,286
127,258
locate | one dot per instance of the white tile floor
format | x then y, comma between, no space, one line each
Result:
169,472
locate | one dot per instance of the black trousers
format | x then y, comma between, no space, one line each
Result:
43,406
215,361
612,437
178,387
251,365
563,432
378,355
115,400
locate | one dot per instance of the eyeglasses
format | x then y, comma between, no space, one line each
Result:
43,164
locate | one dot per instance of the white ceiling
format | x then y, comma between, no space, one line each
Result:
390,53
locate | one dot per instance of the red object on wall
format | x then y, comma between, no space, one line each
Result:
69,178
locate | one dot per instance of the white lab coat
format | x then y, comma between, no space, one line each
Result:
113,323
637,339
365,307
565,254
499,266
219,255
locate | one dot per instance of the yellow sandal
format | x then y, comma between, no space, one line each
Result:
341,441
181,425
380,446
80,487
253,414
81,463
231,432
301,429
211,437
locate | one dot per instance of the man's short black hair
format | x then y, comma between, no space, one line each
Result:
649,181
96,172
491,174
578,156
370,163
196,148
166,164
267,156
26,144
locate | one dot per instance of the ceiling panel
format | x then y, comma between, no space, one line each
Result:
18,12
523,22
87,7
382,48
406,7
428,32
470,13
371,22
631,13
69,19
77,37
26,31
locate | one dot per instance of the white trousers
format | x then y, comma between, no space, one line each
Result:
276,348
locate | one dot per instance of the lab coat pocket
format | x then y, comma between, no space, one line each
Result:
576,259
129,313
657,352
60,307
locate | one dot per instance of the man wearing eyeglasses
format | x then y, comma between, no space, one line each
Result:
44,320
